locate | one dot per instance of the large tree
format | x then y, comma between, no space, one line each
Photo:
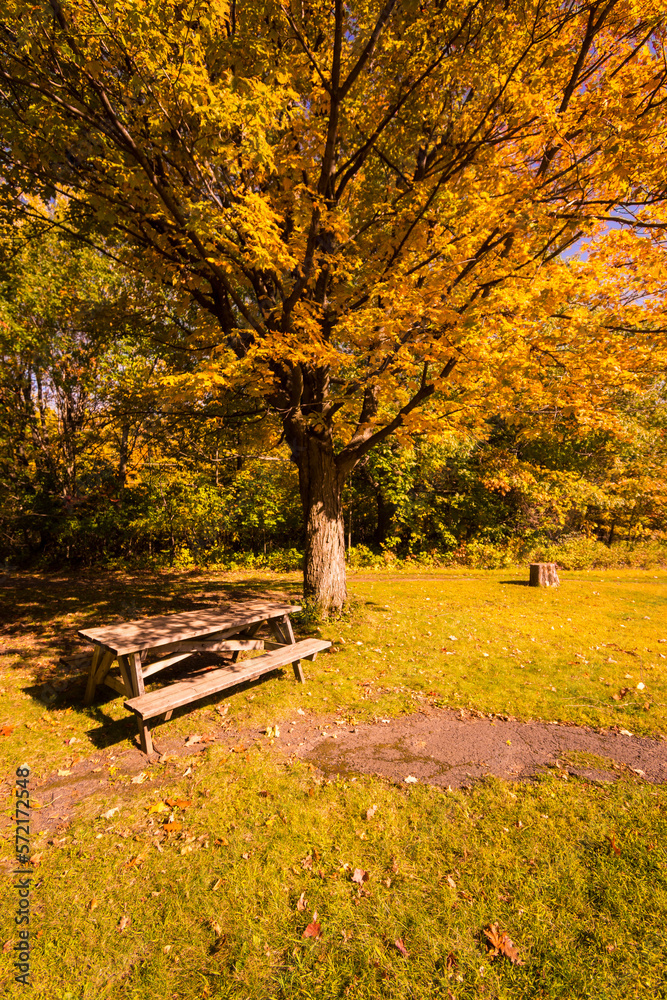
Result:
371,205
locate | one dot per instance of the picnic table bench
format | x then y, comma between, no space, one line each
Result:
178,637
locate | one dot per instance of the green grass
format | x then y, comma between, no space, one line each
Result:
536,857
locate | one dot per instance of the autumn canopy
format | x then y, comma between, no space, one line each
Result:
389,218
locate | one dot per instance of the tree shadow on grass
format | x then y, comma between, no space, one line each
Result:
514,583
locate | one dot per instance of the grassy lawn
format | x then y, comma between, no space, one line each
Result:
209,893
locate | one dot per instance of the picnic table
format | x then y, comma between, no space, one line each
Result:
228,632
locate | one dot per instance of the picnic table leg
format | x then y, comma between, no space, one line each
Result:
135,681
106,661
144,736
92,671
248,633
136,673
125,674
282,629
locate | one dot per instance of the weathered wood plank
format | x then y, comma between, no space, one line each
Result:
227,645
154,633
125,674
136,673
115,683
282,630
192,689
281,627
105,666
154,668
145,737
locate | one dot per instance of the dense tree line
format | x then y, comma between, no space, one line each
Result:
106,454
368,213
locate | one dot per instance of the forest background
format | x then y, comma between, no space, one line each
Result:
102,461
330,277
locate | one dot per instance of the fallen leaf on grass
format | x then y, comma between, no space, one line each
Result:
110,812
179,803
614,846
138,859
173,827
70,741
6,731
238,749
7,945
500,943
360,876
313,930
36,858
123,923
450,882
62,773
158,807
139,778
92,905
302,903
401,947
411,780
370,812
191,740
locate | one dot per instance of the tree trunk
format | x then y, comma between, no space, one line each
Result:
320,483
385,515
123,453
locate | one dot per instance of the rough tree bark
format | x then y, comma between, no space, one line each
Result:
320,484
543,575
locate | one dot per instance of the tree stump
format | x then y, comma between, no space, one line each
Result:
543,575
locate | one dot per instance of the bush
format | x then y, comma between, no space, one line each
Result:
484,555
278,561
579,552
574,553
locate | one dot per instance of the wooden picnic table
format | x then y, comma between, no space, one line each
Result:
178,637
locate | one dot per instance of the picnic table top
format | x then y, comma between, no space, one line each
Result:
151,633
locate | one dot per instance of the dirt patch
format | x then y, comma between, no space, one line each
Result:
440,747
451,750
